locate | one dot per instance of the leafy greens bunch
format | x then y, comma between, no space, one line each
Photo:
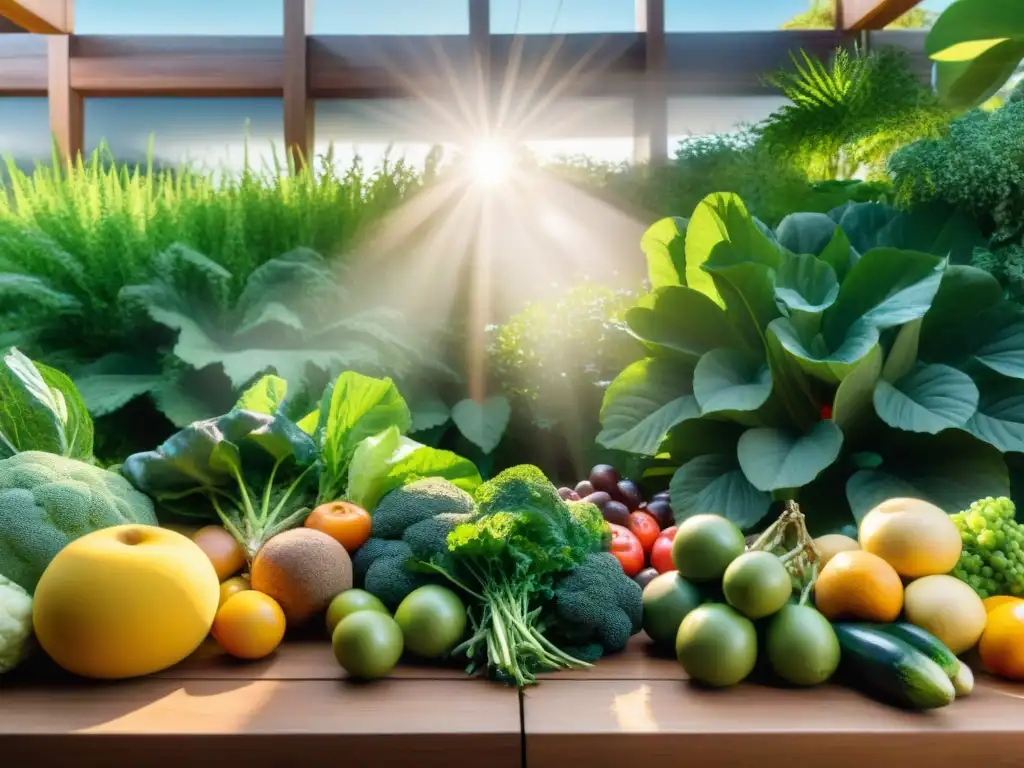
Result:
260,471
837,360
511,558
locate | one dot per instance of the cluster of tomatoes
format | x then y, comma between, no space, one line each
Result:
643,549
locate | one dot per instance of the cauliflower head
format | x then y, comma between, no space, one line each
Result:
47,501
15,624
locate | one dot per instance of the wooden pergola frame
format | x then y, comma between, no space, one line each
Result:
647,65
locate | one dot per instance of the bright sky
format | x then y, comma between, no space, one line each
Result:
210,130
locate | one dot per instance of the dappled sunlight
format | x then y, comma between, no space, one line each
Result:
633,712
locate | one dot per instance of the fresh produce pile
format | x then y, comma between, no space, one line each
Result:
642,531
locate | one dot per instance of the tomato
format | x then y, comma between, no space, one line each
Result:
343,521
645,528
232,587
628,549
661,552
222,548
250,625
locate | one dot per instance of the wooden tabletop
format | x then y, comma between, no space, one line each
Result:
635,708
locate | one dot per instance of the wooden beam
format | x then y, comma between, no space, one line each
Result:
298,105
650,107
66,108
22,65
42,17
860,15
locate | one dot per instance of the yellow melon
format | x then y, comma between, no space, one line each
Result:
125,601
913,536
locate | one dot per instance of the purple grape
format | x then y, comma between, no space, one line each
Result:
604,477
645,577
565,493
599,499
630,494
616,513
585,488
662,495
662,511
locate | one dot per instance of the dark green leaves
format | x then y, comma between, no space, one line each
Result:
930,398
727,380
775,459
715,484
483,424
40,410
682,323
644,402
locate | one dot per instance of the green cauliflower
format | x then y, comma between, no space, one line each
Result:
410,523
47,501
597,608
15,624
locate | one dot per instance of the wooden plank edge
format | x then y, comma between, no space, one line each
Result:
41,17
862,15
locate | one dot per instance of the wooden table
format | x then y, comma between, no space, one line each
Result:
635,709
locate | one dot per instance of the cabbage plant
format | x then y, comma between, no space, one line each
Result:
839,360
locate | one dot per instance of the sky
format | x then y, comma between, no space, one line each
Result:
211,130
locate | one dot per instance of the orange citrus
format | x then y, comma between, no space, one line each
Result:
222,548
859,585
343,521
250,625
1001,647
991,603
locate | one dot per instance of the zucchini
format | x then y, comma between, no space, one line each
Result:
934,649
892,669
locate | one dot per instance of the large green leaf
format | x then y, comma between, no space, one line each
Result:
816,359
929,399
884,289
664,245
483,424
644,403
970,27
428,412
265,396
715,484
999,418
967,309
952,470
806,283
1003,351
853,398
865,224
107,393
748,290
903,354
681,322
806,233
967,84
839,254
775,459
727,380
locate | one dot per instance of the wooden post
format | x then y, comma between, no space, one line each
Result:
299,107
41,17
650,106
66,107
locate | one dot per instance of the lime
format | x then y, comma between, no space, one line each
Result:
367,644
350,601
705,545
667,600
802,646
433,620
757,584
716,645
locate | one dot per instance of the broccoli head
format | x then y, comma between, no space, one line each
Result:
411,523
597,605
47,501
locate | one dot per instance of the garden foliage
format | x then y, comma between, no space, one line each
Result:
838,359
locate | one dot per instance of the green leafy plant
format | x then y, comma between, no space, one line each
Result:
976,45
838,360
822,15
847,116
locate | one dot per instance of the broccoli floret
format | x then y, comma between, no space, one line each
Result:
48,501
598,603
417,501
410,523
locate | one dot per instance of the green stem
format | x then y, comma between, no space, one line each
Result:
452,579
228,524
288,492
265,509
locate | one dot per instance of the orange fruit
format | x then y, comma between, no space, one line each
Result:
858,585
232,587
250,625
222,548
1001,648
991,603
343,521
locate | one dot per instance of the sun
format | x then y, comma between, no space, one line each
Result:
490,161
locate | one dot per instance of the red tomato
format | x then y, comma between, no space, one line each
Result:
628,549
661,552
645,528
